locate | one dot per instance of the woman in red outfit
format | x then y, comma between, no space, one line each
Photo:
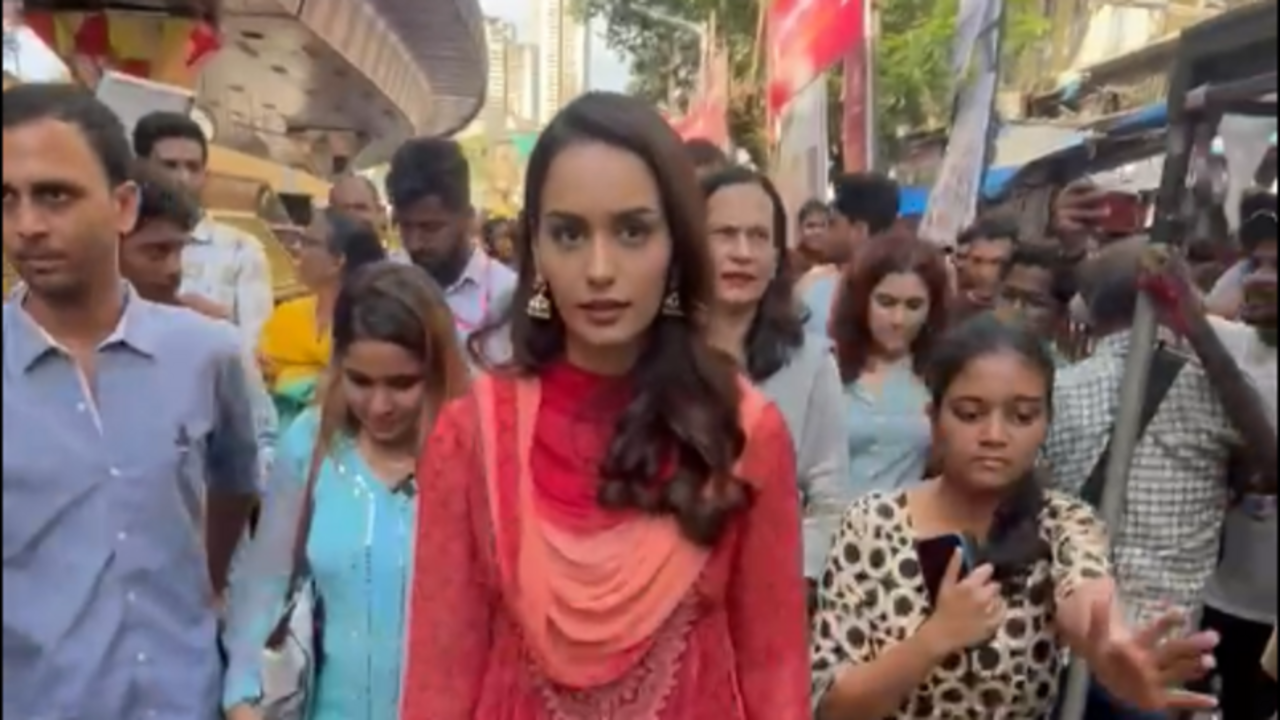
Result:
608,525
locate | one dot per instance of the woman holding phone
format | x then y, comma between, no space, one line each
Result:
900,635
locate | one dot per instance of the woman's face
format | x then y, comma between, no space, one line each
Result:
813,231
992,422
740,221
604,250
898,311
385,388
314,263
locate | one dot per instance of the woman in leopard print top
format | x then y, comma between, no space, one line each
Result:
991,646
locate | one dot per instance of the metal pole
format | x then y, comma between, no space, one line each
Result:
1128,417
871,16
1133,388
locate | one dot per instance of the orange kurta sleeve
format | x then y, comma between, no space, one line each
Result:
766,593
452,599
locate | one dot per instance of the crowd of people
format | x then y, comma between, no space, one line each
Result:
635,455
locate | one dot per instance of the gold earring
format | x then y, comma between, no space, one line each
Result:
671,305
539,307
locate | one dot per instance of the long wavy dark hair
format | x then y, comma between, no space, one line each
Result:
777,330
897,251
684,410
1014,544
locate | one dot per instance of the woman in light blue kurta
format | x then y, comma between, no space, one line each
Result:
888,430
891,309
388,372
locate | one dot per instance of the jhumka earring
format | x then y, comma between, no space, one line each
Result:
539,307
671,305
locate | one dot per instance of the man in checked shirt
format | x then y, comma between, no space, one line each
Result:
1167,545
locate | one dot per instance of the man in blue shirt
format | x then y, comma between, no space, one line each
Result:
129,453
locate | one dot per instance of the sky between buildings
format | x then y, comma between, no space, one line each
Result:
607,70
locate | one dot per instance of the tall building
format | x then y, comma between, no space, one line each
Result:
501,38
562,56
522,82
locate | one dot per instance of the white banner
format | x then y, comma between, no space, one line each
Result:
953,201
133,98
803,161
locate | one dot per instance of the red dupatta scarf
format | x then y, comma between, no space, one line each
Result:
590,588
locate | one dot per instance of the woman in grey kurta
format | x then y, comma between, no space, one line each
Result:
757,321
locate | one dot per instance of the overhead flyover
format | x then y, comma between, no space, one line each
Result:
321,85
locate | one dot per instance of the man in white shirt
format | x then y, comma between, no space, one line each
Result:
429,186
223,266
1242,597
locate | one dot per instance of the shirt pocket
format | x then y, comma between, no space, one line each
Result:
174,473
190,463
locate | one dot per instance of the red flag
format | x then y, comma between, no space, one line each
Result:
805,39
94,36
204,41
708,116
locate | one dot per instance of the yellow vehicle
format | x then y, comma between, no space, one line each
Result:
254,208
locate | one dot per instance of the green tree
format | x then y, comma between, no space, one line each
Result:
664,57
913,59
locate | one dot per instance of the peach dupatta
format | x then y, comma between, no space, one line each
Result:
589,604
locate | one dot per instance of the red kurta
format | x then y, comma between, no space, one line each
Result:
736,649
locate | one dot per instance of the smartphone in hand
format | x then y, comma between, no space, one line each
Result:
1124,214
935,557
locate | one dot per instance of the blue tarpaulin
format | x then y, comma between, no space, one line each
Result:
997,180
1144,119
912,201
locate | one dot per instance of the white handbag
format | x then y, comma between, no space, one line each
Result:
291,658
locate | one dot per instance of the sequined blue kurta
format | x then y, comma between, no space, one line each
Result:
360,553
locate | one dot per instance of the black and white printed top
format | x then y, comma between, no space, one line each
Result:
873,596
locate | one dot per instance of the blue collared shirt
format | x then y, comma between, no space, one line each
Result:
108,608
819,294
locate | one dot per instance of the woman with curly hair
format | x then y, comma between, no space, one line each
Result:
891,307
